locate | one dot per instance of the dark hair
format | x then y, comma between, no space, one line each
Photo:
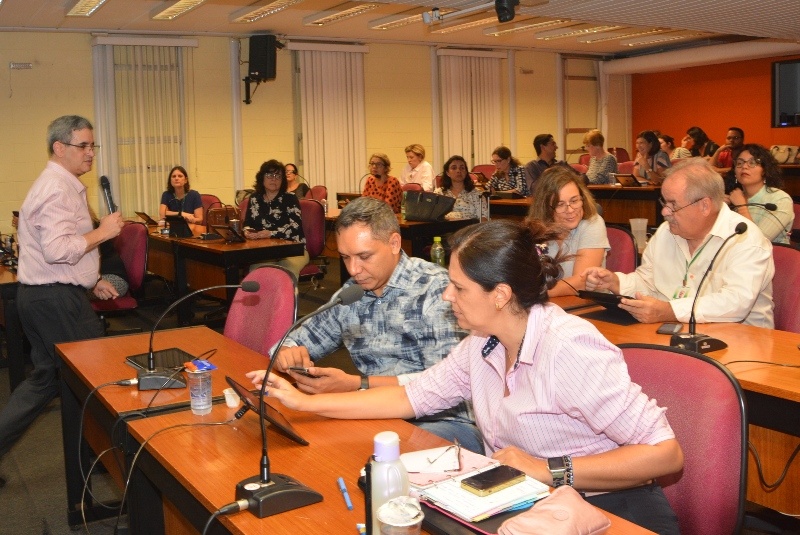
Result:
772,173
669,140
61,129
170,188
447,182
737,129
548,188
541,139
293,167
506,251
651,138
505,153
372,212
700,139
270,167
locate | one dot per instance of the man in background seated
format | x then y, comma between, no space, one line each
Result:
697,220
725,155
399,328
545,146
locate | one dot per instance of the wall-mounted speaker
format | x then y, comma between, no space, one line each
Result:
263,57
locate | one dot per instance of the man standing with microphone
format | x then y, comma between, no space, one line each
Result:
697,224
58,263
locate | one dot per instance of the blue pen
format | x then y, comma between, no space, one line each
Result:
343,488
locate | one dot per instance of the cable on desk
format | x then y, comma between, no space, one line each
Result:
770,486
233,507
210,353
761,362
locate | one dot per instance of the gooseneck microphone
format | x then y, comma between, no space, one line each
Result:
270,494
693,340
769,207
106,185
154,378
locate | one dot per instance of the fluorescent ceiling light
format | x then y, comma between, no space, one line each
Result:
600,37
463,24
335,14
573,31
657,39
261,9
402,19
524,26
177,9
83,8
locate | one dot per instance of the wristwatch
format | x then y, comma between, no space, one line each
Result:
364,382
558,469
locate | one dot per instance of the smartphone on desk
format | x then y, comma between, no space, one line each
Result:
492,480
670,328
303,371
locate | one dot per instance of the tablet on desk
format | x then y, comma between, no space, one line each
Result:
606,299
229,233
628,180
178,227
272,415
147,219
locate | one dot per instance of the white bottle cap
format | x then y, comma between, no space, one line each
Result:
387,446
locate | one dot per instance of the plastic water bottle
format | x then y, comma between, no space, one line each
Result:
199,383
324,203
437,252
388,476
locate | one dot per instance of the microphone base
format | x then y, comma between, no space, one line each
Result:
159,379
281,494
699,343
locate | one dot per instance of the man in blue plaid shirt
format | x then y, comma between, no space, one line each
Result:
399,328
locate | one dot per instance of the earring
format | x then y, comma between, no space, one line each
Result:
497,305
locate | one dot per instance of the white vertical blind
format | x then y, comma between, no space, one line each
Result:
333,119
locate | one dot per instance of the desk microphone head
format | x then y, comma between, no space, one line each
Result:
741,228
250,286
350,295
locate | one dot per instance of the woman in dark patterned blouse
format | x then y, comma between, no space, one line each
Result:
380,184
274,213
509,173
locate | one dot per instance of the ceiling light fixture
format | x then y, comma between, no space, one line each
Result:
177,9
573,31
438,15
524,26
657,39
83,8
264,9
403,18
463,24
338,13
599,38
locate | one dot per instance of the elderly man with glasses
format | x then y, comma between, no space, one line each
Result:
697,222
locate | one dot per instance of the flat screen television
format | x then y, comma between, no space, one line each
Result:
786,93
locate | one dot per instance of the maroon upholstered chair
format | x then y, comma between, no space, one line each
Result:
584,159
487,170
784,287
209,201
313,216
625,168
258,320
318,193
620,154
243,208
706,409
623,256
412,186
795,236
579,167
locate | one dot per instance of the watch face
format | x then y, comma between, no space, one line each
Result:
556,463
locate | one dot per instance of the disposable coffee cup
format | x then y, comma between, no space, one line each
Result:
400,516
231,398
199,383
236,225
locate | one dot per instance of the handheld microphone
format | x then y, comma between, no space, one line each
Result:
270,494
106,185
158,378
693,340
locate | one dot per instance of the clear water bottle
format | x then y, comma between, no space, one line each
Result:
437,252
403,205
324,203
388,476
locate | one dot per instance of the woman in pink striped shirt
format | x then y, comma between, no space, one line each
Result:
551,395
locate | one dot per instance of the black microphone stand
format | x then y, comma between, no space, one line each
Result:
268,493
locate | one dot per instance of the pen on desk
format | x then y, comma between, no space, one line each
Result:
346,495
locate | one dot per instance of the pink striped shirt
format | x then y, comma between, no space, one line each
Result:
571,393
52,222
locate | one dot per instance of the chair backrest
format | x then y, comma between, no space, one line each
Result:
584,159
319,193
259,319
487,169
131,246
706,409
625,168
579,167
216,216
620,154
208,201
622,256
243,208
437,180
312,215
412,186
785,285
796,223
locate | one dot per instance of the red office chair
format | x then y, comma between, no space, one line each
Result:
625,168
623,256
208,202
243,208
784,287
437,180
412,186
258,320
706,409
131,245
580,168
584,159
795,235
620,154
487,170
313,216
318,193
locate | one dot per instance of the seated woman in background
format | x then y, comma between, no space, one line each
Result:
274,213
758,179
382,186
180,198
696,140
293,184
601,163
417,170
668,146
651,161
562,201
544,384
509,173
457,183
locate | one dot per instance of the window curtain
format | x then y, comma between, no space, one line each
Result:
332,119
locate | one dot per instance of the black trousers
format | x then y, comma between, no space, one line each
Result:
50,315
645,506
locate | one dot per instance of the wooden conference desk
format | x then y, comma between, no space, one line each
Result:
195,263
772,393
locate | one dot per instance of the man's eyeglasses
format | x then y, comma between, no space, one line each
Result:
671,206
85,147
561,207
751,163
